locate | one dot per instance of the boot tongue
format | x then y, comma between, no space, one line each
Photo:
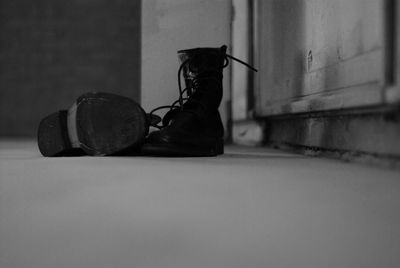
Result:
203,79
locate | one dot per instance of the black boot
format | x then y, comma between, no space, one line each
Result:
96,124
193,126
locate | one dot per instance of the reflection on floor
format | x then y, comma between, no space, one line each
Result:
247,208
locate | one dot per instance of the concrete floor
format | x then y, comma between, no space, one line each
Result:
247,208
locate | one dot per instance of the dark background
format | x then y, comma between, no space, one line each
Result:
51,51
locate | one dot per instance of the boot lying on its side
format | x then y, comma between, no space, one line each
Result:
96,124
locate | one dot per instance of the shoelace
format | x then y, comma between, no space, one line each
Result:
179,103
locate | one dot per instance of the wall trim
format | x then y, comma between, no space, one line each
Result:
369,133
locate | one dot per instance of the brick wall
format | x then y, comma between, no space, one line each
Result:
51,51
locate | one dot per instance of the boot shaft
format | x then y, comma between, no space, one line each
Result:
202,71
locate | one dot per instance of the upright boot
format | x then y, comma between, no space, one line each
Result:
96,124
193,126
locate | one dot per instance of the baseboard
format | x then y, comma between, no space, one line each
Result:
376,134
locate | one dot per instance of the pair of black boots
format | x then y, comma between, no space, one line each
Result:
108,124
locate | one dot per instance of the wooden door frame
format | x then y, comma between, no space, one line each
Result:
245,130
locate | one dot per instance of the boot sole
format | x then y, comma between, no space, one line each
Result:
175,150
97,124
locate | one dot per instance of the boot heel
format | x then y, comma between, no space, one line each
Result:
53,136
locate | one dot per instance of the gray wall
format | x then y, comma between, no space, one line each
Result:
52,51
